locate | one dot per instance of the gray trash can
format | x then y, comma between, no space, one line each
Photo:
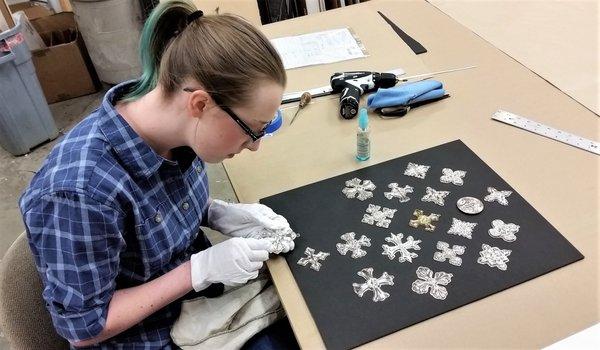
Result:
25,119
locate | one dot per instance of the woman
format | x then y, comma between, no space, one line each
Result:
114,214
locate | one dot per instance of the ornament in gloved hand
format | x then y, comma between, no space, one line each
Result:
252,221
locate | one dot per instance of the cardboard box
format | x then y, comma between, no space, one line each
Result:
32,10
6,20
64,68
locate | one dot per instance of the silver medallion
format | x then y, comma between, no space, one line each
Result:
470,205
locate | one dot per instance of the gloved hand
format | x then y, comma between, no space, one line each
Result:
232,262
251,221
406,94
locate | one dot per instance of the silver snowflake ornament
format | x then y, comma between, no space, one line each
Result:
361,190
398,192
373,284
434,196
400,247
354,245
434,284
312,259
378,216
280,239
498,196
494,257
450,254
452,176
462,228
416,170
506,231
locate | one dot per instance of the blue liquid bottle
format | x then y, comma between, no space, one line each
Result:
363,136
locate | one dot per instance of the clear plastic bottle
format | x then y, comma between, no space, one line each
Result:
363,136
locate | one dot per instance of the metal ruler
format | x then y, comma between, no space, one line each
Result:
547,131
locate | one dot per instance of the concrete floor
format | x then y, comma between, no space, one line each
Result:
16,172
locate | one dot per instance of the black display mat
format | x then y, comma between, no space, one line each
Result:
321,213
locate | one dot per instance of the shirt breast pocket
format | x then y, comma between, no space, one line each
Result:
162,237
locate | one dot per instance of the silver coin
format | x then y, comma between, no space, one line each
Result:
470,205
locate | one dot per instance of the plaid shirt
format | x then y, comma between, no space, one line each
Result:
106,212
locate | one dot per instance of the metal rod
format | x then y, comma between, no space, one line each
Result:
436,73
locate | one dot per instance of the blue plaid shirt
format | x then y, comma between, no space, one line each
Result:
106,212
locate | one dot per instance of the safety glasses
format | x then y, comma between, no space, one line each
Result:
267,129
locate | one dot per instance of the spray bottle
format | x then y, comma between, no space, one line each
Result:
363,137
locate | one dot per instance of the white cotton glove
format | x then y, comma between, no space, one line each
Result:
243,220
251,221
232,262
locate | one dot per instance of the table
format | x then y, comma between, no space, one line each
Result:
560,181
563,54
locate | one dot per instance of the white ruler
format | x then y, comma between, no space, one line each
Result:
548,131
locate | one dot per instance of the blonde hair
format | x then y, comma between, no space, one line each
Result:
227,55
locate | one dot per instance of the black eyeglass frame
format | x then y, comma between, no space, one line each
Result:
238,120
